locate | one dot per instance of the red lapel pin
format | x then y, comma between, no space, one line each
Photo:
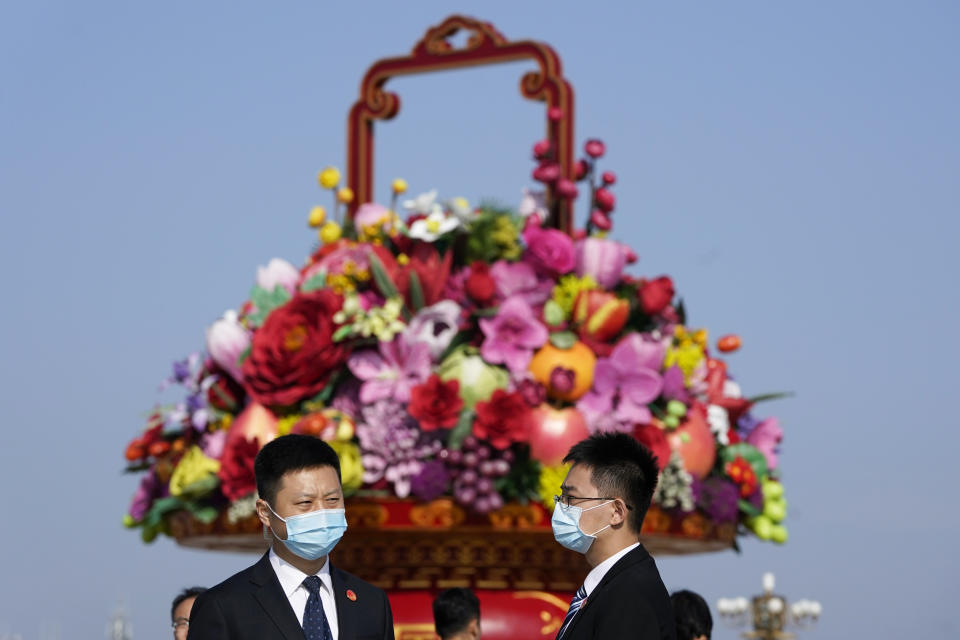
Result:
351,596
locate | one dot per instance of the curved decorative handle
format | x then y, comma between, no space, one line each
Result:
434,52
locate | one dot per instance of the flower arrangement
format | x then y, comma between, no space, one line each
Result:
446,350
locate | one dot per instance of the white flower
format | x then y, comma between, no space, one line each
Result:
719,423
433,226
461,209
423,204
731,389
227,339
533,202
278,272
436,325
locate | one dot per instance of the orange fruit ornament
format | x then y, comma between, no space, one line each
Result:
579,359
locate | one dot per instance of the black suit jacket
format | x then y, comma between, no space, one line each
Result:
629,602
251,605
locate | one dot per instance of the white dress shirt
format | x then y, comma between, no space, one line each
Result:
596,574
291,581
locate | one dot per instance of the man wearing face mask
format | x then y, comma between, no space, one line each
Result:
605,497
293,592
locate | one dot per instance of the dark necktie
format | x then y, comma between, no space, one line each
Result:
315,625
578,599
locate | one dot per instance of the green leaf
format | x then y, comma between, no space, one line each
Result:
228,401
204,514
159,508
462,429
748,508
416,291
243,356
770,396
681,312
266,301
462,337
748,452
321,399
382,278
553,313
563,339
486,313
203,486
343,333
316,282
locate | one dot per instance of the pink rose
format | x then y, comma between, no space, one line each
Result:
549,250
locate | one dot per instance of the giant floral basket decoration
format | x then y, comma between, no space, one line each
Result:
451,354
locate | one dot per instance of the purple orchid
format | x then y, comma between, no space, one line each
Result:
602,259
673,385
511,336
392,371
149,490
625,382
519,278
766,438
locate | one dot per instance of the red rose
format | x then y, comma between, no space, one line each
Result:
435,403
293,353
480,286
653,438
656,294
236,469
503,419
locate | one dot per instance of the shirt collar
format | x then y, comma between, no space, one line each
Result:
596,574
292,578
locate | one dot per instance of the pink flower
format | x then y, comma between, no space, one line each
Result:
511,336
766,438
625,383
519,278
372,215
602,259
549,250
391,372
227,339
278,272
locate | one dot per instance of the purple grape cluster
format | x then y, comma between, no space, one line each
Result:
474,468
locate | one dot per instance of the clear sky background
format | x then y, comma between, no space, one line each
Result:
793,166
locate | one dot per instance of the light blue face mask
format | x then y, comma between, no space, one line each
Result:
313,535
566,527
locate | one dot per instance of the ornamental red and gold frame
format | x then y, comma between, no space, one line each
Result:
485,46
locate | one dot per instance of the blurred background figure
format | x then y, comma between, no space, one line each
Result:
180,611
692,614
456,615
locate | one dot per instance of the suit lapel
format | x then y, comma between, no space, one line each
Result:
634,556
346,608
270,595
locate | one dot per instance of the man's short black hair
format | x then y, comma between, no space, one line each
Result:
692,615
191,592
453,610
620,467
290,453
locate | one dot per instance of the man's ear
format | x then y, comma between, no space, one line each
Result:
263,512
473,629
619,515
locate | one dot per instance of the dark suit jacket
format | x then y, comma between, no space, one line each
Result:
251,605
630,602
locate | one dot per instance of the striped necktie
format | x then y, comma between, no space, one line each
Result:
578,599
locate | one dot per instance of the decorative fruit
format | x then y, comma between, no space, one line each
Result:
310,425
694,442
600,314
778,533
158,448
762,526
578,359
135,451
256,422
653,437
776,510
728,343
554,431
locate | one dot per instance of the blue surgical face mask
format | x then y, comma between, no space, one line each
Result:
313,535
566,527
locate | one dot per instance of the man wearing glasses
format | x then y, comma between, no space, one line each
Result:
605,497
180,611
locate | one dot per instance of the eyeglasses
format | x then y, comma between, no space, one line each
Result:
565,500
180,623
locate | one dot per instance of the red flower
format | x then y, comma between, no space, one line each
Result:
236,469
504,419
653,438
293,353
740,471
432,271
480,286
656,294
435,403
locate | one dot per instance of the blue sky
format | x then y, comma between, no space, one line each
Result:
792,167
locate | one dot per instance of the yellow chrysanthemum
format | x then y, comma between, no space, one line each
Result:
194,466
330,232
686,356
285,424
550,480
329,178
345,195
351,466
569,286
399,186
317,216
